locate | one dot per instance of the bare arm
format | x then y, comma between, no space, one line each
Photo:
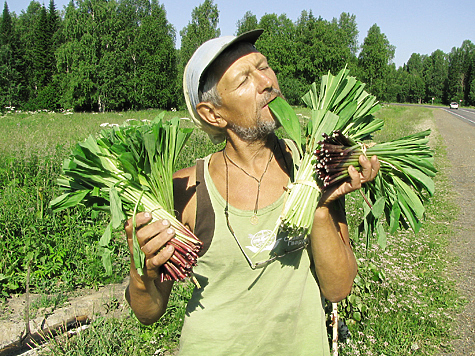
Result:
335,262
147,297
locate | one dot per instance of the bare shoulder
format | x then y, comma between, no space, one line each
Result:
189,172
184,192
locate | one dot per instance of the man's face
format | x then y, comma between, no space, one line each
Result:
245,88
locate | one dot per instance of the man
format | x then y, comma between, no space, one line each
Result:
248,304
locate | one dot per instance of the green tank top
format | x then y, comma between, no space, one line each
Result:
276,309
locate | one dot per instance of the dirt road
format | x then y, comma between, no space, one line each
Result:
459,137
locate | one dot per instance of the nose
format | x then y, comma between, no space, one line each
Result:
265,81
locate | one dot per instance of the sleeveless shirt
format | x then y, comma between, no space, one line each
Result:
276,309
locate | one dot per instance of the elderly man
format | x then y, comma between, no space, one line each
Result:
265,304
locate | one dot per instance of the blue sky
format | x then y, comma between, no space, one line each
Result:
411,26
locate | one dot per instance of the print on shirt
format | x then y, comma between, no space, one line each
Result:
261,237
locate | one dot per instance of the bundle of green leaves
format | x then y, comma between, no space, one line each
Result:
342,115
129,168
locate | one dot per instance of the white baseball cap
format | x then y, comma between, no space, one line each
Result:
197,65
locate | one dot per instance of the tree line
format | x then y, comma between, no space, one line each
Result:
105,55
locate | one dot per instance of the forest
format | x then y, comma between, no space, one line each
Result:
116,55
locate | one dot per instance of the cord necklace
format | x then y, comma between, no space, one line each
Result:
254,219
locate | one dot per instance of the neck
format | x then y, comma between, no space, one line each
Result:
251,155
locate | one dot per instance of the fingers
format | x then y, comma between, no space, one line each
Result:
369,170
375,166
154,261
355,180
140,220
153,238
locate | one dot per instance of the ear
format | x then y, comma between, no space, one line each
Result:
210,114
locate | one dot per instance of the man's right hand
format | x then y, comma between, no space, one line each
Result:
152,238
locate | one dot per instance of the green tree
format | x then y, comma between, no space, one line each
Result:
155,61
461,72
6,26
403,80
54,29
435,76
115,25
472,92
117,55
416,89
415,64
347,23
468,68
26,25
247,23
319,48
202,27
10,62
277,43
393,87
455,75
78,56
374,60
414,67
41,51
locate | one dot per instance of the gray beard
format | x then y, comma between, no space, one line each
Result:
262,128
257,133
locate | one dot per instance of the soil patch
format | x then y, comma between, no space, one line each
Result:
85,305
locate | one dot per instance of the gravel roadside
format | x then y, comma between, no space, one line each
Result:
459,137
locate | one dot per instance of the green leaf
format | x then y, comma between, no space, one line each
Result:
68,200
287,118
106,237
410,197
422,178
105,254
118,215
139,255
382,237
407,213
394,218
128,161
378,207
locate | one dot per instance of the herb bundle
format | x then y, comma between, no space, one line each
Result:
341,122
127,168
398,191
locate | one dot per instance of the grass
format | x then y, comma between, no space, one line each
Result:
125,335
61,248
404,295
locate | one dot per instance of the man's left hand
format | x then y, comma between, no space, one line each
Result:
369,170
